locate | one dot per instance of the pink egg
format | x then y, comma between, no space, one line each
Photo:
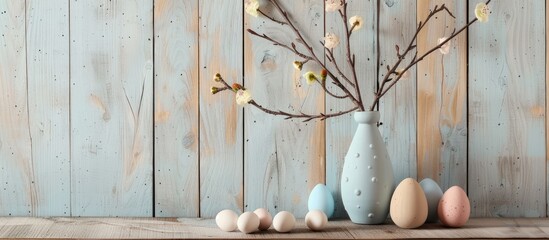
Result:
454,207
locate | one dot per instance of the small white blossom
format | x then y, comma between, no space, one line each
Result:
356,21
482,12
403,75
331,41
251,7
334,5
445,48
243,97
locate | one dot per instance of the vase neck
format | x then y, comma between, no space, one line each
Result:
367,117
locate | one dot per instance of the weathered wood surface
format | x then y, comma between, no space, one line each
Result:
221,120
172,228
507,111
111,107
80,73
284,159
398,106
546,99
48,106
176,108
442,98
19,194
340,131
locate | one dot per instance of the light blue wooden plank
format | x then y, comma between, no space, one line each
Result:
176,108
111,107
221,121
340,131
284,159
398,106
18,191
507,111
48,104
442,97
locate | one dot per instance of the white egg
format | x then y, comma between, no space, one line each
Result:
316,220
248,222
226,220
265,218
284,222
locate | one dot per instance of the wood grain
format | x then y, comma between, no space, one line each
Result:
546,103
181,228
340,131
398,106
111,107
506,111
176,108
442,97
221,120
48,104
284,159
18,192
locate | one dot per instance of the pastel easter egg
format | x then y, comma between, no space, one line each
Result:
454,207
321,199
433,193
226,220
408,205
265,218
248,222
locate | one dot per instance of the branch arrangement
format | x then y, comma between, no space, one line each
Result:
348,83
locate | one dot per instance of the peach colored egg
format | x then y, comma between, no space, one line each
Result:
248,222
454,207
284,222
226,220
408,204
265,218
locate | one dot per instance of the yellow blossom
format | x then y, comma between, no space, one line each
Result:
214,90
298,65
310,77
243,97
251,7
331,40
357,22
445,48
482,12
217,77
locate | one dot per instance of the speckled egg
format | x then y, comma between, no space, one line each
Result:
454,207
408,204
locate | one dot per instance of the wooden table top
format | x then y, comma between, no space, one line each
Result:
184,228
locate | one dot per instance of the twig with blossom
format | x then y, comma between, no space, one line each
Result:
482,13
330,42
244,97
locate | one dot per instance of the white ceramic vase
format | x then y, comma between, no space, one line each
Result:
367,178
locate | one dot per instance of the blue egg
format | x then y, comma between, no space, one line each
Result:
433,193
321,199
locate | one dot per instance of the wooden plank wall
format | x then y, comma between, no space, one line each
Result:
106,110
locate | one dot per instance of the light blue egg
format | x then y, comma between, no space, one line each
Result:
433,193
321,199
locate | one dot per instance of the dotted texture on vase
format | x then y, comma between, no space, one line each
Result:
367,177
